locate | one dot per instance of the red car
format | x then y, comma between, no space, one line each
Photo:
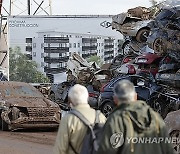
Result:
148,62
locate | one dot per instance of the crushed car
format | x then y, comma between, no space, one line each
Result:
165,31
133,23
23,106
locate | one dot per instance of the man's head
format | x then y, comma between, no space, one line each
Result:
78,94
124,92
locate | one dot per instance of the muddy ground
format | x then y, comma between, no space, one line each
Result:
27,142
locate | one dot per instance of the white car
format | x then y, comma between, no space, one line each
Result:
131,26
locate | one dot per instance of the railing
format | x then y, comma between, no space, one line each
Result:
54,70
56,60
85,48
56,49
56,40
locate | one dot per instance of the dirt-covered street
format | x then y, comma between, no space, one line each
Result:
27,142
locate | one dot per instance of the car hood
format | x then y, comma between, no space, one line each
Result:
29,102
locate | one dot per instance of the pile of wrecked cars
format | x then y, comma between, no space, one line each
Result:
156,53
150,59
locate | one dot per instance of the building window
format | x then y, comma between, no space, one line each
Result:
34,54
102,44
79,45
42,55
34,45
70,45
74,45
42,45
60,54
42,64
70,36
28,40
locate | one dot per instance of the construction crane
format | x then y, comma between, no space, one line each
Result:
1,1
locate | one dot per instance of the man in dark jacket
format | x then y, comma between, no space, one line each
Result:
133,127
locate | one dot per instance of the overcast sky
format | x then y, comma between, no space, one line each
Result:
82,6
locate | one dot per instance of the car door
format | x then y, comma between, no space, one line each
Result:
143,91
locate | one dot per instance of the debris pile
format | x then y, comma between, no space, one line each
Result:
152,44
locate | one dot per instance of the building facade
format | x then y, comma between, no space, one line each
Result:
52,49
50,40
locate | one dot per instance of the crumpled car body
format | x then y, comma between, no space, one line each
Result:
23,106
165,31
133,23
128,25
148,62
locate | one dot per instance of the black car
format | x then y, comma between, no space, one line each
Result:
145,88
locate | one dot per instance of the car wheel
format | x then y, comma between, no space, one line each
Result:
107,108
52,97
3,124
159,46
126,48
160,108
176,146
142,35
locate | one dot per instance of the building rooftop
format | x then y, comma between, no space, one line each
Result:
68,33
61,16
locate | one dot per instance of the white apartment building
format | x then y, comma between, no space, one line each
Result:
50,40
52,49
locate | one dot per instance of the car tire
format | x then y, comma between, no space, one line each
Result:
159,46
126,48
142,35
162,109
107,108
3,124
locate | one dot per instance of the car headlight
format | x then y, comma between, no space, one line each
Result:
142,60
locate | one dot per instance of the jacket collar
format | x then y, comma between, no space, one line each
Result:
81,106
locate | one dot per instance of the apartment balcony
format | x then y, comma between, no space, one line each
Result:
109,41
28,40
85,48
56,60
89,55
56,40
108,46
108,52
29,48
54,70
108,58
89,40
56,49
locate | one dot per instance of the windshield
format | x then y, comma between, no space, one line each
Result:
165,14
21,91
